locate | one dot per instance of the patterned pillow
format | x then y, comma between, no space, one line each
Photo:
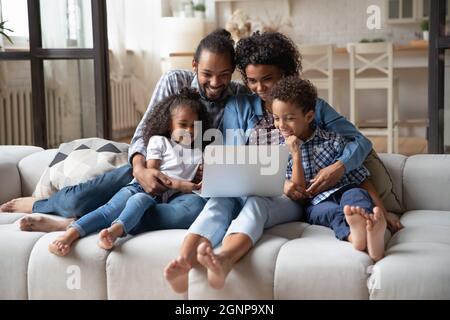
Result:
79,161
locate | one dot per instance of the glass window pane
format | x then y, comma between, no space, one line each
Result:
16,114
70,100
447,103
15,13
66,24
426,8
394,9
407,9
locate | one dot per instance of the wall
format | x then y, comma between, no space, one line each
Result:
340,22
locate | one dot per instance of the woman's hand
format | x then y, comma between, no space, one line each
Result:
393,222
327,178
293,144
295,192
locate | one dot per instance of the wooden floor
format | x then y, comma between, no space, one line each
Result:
407,145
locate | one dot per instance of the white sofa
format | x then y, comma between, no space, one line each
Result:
291,261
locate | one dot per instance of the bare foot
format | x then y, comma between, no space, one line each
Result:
61,246
43,224
176,273
376,227
357,222
109,236
218,267
21,205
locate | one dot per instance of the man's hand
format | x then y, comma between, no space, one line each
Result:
293,144
393,222
294,191
327,178
152,180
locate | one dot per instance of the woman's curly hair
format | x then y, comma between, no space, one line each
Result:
301,93
269,48
159,122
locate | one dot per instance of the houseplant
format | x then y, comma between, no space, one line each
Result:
425,27
3,33
199,10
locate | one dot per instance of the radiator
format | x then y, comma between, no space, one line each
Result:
124,115
16,125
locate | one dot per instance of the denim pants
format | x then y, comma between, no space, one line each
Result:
330,213
126,207
75,201
247,215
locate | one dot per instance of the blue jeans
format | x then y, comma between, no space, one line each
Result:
330,213
126,207
75,201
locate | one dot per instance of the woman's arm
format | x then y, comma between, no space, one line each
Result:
358,146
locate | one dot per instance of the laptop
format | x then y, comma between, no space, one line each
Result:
237,171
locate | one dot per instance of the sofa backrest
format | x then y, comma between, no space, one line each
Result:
426,182
32,167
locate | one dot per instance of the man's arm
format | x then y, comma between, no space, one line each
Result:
169,84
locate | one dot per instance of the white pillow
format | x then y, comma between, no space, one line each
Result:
79,161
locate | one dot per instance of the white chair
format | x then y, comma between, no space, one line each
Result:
317,61
379,57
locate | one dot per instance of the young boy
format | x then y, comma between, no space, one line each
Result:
347,207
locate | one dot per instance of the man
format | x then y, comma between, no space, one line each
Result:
213,66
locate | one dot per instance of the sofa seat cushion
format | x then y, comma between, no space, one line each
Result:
79,275
15,250
8,218
252,278
135,267
417,259
319,266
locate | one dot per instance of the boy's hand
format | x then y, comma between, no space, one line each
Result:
393,222
293,144
294,191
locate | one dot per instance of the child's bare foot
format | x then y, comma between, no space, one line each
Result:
61,246
21,205
218,267
109,236
43,224
376,227
177,274
357,222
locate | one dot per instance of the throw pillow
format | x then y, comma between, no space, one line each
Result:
79,161
383,183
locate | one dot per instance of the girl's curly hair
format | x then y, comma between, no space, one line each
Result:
159,122
269,48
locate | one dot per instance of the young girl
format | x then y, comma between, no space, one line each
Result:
169,136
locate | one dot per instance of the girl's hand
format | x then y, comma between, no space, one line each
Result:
295,192
188,187
198,175
393,222
294,144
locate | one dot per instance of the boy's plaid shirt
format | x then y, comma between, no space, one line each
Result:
320,151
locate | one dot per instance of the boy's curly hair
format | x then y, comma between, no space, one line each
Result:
159,122
300,92
269,48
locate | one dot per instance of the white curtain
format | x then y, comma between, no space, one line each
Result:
134,37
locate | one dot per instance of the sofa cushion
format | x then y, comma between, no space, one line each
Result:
79,161
15,250
425,178
383,181
318,266
144,257
252,278
10,186
31,169
79,275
